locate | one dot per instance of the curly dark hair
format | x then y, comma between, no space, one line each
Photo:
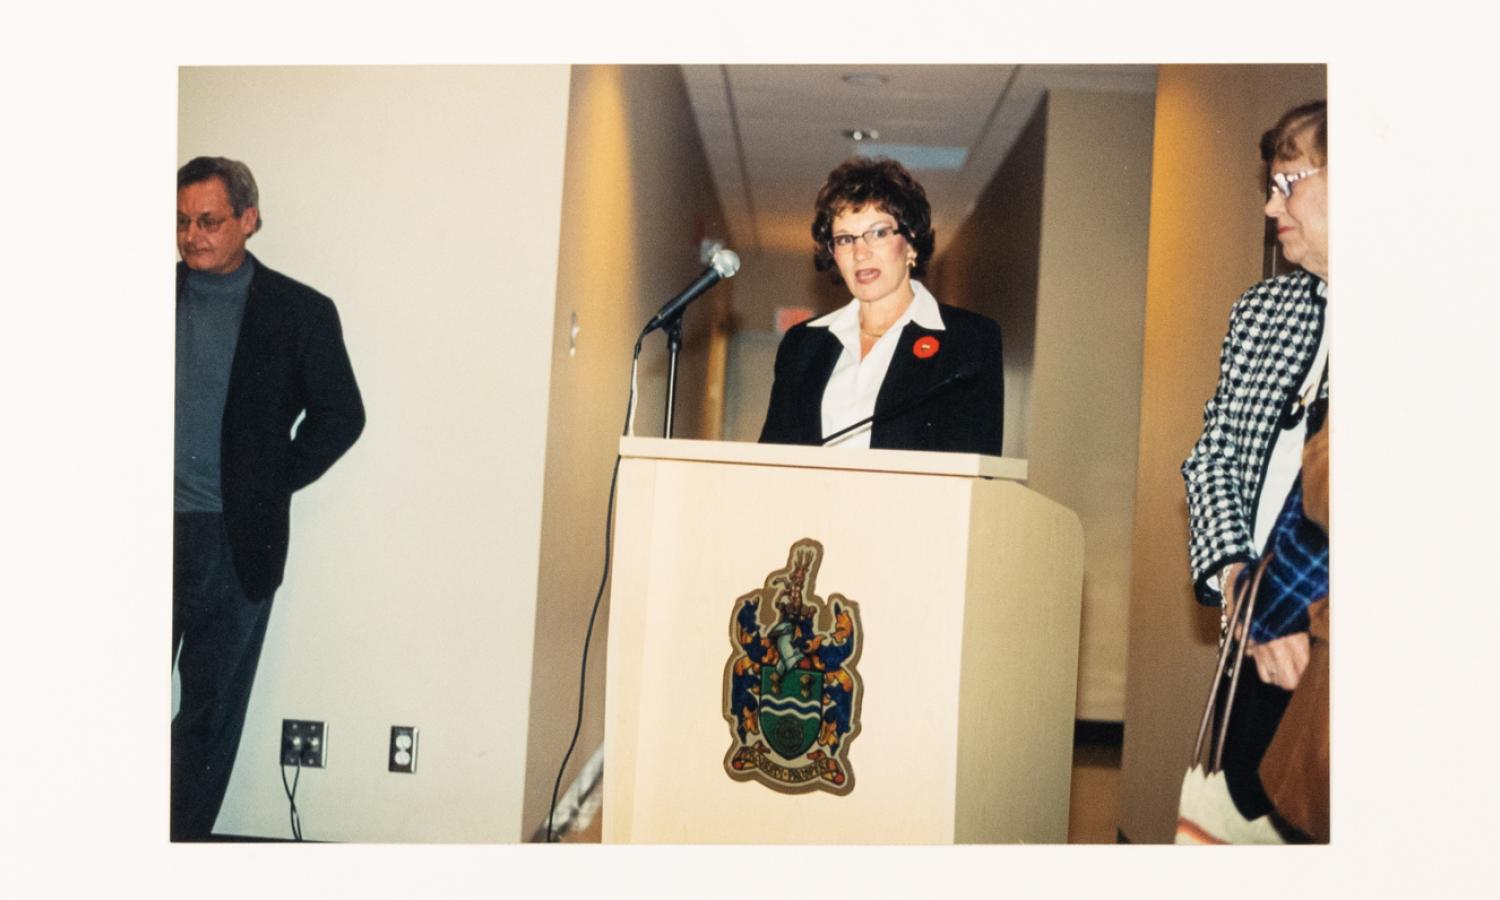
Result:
884,184
239,183
1281,141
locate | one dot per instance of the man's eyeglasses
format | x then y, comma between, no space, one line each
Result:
1281,182
875,238
206,223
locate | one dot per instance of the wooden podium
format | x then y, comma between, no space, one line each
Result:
968,588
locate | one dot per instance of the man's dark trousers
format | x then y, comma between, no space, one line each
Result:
221,632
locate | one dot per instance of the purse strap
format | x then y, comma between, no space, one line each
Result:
1244,608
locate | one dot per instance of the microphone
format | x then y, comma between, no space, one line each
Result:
725,263
902,409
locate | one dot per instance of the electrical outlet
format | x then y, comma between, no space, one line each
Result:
402,753
303,742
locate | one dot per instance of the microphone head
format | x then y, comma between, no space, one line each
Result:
726,262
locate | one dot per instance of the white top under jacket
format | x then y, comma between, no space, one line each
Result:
855,383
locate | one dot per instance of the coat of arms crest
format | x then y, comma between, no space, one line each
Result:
791,692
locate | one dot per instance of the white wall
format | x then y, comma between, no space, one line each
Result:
426,202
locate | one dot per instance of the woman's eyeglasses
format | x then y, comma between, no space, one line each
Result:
875,238
1281,182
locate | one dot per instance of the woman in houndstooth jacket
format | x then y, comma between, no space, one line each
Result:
1273,365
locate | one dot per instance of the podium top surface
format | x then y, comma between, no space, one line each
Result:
971,465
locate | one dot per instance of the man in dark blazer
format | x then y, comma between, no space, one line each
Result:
256,352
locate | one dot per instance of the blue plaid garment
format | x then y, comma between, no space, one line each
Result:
1297,575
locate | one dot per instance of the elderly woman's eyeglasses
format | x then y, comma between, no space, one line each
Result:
875,238
1281,182
206,223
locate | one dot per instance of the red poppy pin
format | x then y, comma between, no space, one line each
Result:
926,347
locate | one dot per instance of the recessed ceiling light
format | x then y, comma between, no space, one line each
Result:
865,79
917,157
861,134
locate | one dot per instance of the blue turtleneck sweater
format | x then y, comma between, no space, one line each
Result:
208,327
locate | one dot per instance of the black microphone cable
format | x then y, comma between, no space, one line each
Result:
905,406
609,519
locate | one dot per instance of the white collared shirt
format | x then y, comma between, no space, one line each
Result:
855,383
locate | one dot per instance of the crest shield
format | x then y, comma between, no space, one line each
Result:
791,709
791,691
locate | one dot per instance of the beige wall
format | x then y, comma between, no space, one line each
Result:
770,278
1085,397
1056,252
773,278
636,185
993,266
1206,232
425,201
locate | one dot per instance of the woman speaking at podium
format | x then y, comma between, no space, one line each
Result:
917,374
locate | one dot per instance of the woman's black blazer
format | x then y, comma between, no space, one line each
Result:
965,412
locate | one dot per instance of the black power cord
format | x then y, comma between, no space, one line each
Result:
609,520
291,796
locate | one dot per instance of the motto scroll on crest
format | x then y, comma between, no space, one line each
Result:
791,692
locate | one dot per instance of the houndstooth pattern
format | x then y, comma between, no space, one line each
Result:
1273,336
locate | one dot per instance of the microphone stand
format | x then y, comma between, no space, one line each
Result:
673,328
